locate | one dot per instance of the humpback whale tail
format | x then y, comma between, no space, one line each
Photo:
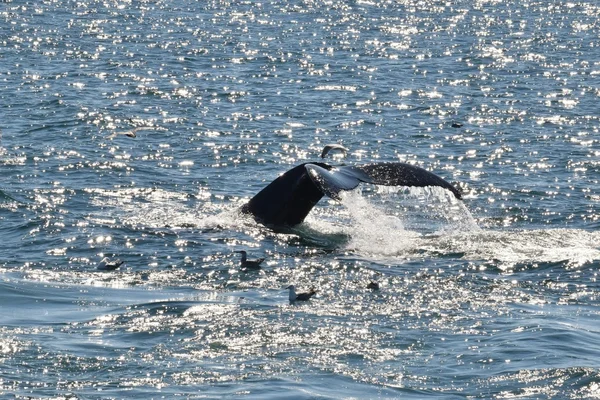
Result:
288,199
330,147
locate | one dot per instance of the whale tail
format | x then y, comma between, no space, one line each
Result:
333,180
288,199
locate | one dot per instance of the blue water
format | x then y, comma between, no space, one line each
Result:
492,297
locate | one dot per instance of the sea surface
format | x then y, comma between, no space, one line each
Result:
492,297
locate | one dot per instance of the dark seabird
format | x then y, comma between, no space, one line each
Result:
373,285
287,200
249,264
109,265
333,146
300,296
131,133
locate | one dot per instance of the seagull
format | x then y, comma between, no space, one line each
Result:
300,296
109,265
249,264
333,146
131,133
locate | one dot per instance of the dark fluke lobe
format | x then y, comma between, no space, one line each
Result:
109,265
333,146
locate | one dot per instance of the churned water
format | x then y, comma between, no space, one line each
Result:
495,296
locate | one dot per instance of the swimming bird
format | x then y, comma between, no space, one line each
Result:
249,264
132,132
333,146
373,285
300,296
109,265
287,200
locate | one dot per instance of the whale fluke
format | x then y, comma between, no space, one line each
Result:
333,146
288,199
109,265
401,174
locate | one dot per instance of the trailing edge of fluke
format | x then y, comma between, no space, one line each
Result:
287,200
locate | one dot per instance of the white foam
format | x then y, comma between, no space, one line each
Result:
158,208
374,231
521,246
393,221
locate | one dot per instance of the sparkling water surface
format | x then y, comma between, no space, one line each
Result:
495,296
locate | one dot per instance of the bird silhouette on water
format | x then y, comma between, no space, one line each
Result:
132,132
300,296
109,265
245,263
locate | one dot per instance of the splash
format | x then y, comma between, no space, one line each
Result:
388,221
374,231
428,209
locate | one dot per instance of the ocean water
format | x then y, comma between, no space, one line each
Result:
495,296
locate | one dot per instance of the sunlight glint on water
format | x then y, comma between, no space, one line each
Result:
494,296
